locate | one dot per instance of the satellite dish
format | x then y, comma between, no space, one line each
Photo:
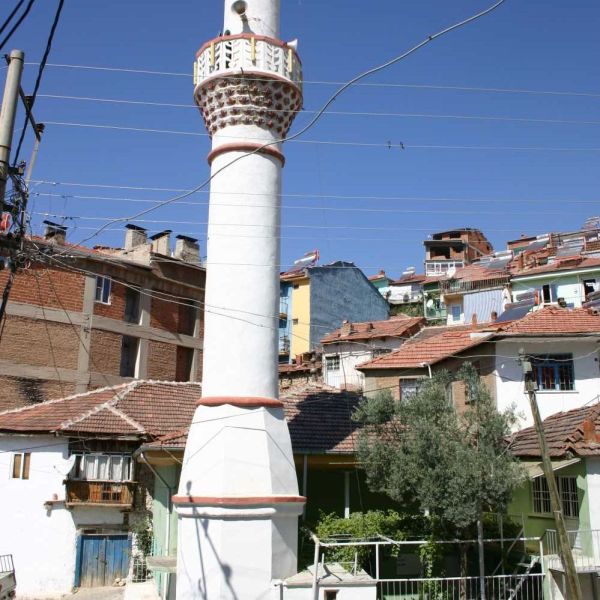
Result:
67,466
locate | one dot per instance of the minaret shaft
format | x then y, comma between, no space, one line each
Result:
238,500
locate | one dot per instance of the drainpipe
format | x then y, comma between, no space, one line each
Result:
170,492
428,368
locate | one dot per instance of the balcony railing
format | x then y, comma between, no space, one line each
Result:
248,53
585,545
114,493
458,286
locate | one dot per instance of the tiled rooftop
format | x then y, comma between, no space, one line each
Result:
553,320
430,350
566,264
143,408
398,326
574,432
318,416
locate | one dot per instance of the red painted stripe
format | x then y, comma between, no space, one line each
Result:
245,147
237,500
244,401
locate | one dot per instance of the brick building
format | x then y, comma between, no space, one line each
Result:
80,318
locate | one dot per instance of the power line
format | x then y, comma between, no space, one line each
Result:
259,225
389,145
425,86
318,115
11,15
17,24
320,208
559,201
38,80
337,112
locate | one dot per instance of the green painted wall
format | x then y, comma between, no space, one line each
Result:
521,507
160,514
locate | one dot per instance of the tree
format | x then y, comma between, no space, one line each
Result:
452,465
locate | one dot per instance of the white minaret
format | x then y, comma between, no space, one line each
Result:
238,502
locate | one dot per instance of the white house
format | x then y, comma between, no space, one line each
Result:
563,347
70,490
562,344
356,343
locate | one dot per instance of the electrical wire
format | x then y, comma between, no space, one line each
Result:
11,15
337,112
292,139
316,117
17,24
495,90
38,79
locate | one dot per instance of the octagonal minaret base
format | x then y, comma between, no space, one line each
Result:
238,502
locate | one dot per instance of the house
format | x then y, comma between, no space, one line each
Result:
101,316
317,299
71,491
405,295
355,343
476,293
449,250
562,343
573,440
380,280
570,280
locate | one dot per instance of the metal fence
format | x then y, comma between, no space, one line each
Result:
585,545
6,563
497,587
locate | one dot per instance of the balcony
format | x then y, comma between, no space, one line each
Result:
585,545
247,53
100,493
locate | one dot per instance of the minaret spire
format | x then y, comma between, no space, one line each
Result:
238,500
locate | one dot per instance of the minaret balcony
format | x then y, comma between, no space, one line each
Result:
234,55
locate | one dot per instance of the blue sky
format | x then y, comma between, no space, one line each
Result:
524,45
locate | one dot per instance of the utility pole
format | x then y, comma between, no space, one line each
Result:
566,555
8,114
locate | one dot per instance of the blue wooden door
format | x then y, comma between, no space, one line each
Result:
102,559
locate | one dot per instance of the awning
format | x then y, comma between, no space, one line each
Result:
536,469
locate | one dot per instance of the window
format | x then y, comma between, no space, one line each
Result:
129,352
567,490
183,363
590,286
333,362
331,594
132,305
103,467
20,465
103,289
408,387
456,312
548,293
554,372
294,321
187,317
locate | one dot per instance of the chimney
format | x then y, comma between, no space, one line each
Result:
346,328
187,249
474,320
134,236
494,316
55,233
161,242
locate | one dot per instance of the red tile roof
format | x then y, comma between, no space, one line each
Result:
400,326
478,272
574,432
318,416
409,278
569,263
554,321
418,353
141,408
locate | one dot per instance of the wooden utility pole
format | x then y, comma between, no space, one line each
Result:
566,555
